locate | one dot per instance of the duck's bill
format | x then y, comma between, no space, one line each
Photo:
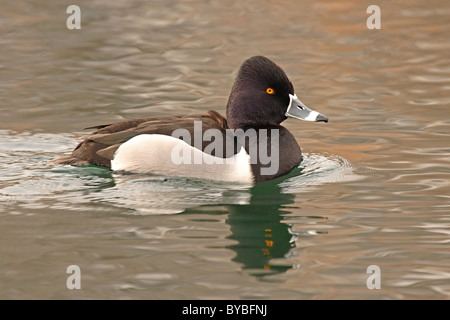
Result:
298,110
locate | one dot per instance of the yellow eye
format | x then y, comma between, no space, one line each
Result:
270,91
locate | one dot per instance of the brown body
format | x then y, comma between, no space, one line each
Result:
99,147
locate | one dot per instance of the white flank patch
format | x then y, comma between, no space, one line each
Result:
152,153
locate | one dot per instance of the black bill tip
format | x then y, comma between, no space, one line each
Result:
322,118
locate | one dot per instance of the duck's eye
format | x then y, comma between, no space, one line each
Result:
270,91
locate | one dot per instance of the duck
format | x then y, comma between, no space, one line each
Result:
249,145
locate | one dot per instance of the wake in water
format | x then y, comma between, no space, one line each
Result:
31,181
316,169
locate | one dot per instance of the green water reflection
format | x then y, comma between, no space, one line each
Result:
259,231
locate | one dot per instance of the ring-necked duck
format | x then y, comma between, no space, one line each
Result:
249,145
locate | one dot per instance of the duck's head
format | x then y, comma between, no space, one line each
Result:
262,96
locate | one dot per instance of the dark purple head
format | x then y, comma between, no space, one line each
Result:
262,96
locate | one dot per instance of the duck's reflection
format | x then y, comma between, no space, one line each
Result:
263,240
255,213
